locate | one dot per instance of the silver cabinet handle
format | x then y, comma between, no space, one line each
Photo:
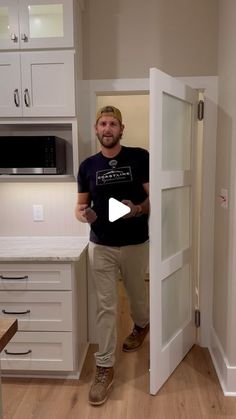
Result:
16,98
15,312
27,98
14,37
17,353
24,37
13,278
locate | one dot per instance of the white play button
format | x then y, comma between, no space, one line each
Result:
117,209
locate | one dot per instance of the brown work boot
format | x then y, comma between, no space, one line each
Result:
103,381
135,339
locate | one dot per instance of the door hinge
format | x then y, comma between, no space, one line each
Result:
200,110
197,318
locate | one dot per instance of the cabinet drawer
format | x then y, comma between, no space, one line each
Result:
35,276
39,351
38,310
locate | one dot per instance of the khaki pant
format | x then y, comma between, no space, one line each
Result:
106,264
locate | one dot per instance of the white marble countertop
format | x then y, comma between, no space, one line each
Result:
41,249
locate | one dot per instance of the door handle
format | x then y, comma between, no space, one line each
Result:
27,98
14,37
16,98
24,37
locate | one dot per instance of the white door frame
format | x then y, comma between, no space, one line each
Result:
210,86
90,89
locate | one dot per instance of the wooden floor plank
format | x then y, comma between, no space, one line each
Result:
192,392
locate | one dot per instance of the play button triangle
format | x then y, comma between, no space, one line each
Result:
117,209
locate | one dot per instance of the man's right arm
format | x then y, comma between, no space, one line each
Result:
83,212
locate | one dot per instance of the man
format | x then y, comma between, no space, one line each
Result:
115,247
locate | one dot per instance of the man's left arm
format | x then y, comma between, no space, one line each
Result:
141,208
145,205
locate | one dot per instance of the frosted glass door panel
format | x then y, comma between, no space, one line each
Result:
176,303
177,122
175,220
4,23
46,21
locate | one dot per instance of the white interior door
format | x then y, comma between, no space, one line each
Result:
173,116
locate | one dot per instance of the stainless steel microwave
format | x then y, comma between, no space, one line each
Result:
37,155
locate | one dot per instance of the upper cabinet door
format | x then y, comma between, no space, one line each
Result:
34,24
10,85
48,83
38,83
9,25
46,23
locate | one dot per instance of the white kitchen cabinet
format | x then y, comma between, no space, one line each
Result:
10,85
37,84
49,301
35,24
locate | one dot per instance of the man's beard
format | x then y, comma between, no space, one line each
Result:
109,144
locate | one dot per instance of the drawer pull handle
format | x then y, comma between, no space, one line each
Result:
17,353
16,312
13,278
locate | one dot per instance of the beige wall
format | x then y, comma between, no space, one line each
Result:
58,200
124,38
224,311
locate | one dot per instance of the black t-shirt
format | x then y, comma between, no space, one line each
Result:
120,177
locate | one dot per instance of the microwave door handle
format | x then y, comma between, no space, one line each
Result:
27,98
16,98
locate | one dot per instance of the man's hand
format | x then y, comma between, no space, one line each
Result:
87,214
134,209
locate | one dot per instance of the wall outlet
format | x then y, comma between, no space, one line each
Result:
38,213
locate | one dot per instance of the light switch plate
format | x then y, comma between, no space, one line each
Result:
38,213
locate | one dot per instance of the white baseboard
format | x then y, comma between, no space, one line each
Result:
38,374
226,372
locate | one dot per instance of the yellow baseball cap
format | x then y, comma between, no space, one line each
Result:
109,111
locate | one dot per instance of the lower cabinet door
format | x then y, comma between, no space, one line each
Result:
37,351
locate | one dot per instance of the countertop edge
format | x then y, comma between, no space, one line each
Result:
42,250
8,328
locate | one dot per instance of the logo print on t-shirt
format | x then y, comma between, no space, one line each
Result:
113,164
108,176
